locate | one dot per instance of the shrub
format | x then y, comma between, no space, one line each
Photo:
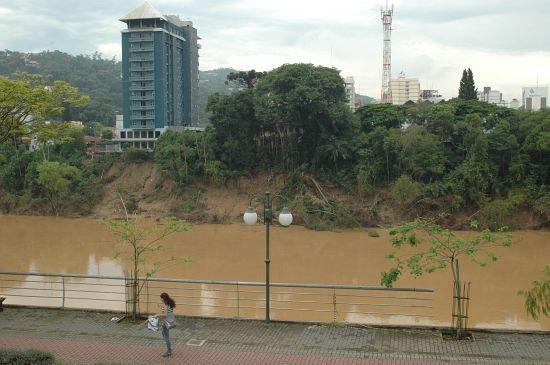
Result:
193,204
405,192
29,357
540,203
319,215
8,202
373,234
498,213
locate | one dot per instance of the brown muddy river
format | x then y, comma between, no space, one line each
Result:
236,252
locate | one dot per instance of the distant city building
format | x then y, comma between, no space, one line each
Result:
159,76
404,90
359,101
432,96
535,98
491,96
350,92
515,104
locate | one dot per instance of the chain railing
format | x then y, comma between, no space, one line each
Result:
226,299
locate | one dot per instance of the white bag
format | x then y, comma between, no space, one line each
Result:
153,323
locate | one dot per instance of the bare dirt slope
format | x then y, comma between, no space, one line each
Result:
147,193
317,206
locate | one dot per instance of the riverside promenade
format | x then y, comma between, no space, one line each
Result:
77,337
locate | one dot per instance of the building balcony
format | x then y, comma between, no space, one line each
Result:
141,69
149,107
148,38
142,49
139,118
142,78
144,98
142,59
142,88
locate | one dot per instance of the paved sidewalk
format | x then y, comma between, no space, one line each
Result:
90,338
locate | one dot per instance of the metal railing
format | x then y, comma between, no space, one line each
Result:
216,298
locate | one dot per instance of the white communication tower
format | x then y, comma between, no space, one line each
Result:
387,16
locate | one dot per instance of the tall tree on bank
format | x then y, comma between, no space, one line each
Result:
25,104
467,90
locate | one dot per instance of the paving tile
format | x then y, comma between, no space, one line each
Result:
78,337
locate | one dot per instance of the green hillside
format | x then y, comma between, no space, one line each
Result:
98,77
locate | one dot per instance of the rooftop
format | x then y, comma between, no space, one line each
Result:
144,11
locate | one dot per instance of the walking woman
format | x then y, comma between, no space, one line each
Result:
169,321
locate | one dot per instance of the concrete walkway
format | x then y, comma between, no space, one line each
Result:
91,338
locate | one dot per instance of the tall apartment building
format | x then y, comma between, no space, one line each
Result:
535,98
491,96
159,75
350,92
404,90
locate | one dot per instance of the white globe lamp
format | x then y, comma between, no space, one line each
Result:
285,217
250,217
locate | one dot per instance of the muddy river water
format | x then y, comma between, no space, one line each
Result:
236,252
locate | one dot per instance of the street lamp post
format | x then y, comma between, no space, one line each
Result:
251,217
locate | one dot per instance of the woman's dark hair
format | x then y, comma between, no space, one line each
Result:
167,300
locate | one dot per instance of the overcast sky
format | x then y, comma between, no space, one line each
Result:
505,42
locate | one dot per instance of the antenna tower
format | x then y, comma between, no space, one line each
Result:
387,15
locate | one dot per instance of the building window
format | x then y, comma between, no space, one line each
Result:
157,134
151,134
130,135
122,134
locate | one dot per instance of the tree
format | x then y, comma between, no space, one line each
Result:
302,107
467,89
56,180
21,105
107,134
421,154
184,156
137,242
25,105
537,299
380,115
51,134
234,131
245,79
376,158
435,248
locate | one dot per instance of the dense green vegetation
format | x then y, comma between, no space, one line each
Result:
471,160
54,178
460,156
63,182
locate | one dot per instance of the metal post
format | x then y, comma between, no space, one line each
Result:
267,220
63,286
334,305
238,302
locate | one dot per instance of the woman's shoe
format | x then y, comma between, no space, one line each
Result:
167,354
